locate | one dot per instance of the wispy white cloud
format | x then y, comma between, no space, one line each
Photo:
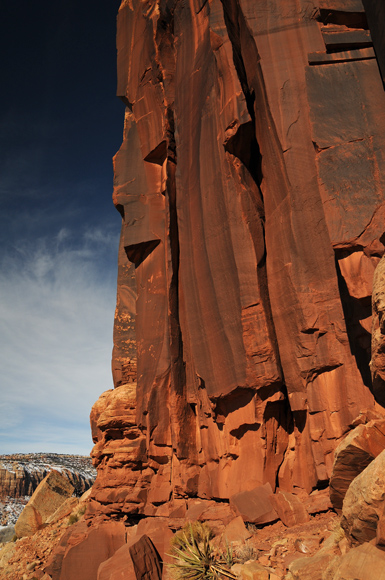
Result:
57,300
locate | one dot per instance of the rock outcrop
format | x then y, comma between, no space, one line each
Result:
355,452
377,363
250,182
364,502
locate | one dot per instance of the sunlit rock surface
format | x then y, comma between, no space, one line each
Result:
251,186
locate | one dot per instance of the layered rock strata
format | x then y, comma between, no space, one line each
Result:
20,474
251,187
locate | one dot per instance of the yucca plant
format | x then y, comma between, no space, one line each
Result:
194,555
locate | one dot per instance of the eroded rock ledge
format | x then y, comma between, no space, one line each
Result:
251,186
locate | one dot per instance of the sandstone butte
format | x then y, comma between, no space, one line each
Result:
251,184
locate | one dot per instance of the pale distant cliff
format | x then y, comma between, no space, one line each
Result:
20,474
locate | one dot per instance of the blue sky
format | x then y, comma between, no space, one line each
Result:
60,125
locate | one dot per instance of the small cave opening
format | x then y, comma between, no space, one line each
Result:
114,434
137,253
244,146
350,19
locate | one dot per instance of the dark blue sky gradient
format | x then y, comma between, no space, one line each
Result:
61,121
60,125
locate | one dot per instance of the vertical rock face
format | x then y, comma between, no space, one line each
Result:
250,183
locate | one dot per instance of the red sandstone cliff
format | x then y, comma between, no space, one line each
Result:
251,187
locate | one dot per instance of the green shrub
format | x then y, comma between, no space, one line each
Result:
195,556
73,519
82,510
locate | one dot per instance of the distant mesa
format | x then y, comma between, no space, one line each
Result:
20,474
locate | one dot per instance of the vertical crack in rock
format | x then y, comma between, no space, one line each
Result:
244,144
182,415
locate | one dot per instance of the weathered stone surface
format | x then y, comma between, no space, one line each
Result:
82,550
142,555
255,506
318,501
119,453
365,562
6,534
311,568
176,508
146,561
236,531
219,511
159,533
253,571
196,507
315,567
290,509
118,567
364,502
380,532
67,507
50,494
251,188
353,455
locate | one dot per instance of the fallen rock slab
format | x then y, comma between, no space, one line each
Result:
318,501
146,560
290,508
119,566
311,568
255,506
252,571
159,533
82,549
236,531
49,495
365,562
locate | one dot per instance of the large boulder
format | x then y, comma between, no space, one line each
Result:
365,562
82,549
50,494
138,559
364,502
353,455
255,506
290,509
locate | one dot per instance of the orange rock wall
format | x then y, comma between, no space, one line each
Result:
250,181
